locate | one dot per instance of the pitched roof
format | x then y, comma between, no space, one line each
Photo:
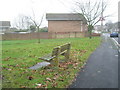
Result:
4,23
65,16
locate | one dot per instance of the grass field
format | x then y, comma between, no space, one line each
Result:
19,55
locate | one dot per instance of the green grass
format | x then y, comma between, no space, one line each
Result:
19,55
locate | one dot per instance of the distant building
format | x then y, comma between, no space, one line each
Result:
98,28
62,22
12,29
4,26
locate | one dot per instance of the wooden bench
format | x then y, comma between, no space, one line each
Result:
56,52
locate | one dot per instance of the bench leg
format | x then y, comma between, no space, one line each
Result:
56,59
67,55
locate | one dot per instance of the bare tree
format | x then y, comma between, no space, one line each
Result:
19,22
92,12
36,23
22,22
27,22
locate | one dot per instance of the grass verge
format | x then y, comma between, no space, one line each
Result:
19,55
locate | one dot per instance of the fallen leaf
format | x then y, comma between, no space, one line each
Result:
38,85
9,69
30,77
75,67
61,80
34,71
43,73
48,79
17,65
54,84
44,86
54,78
23,86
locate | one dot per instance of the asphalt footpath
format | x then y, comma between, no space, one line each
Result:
101,70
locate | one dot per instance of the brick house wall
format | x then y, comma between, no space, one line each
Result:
66,22
66,26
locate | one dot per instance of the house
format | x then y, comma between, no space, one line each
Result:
97,27
4,26
66,22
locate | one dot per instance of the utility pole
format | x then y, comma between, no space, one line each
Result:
119,22
102,18
119,16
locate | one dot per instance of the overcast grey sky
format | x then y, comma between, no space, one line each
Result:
10,9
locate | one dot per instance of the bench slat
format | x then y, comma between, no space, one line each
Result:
62,53
64,47
55,51
47,57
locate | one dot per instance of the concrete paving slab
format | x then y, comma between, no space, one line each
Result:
39,65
